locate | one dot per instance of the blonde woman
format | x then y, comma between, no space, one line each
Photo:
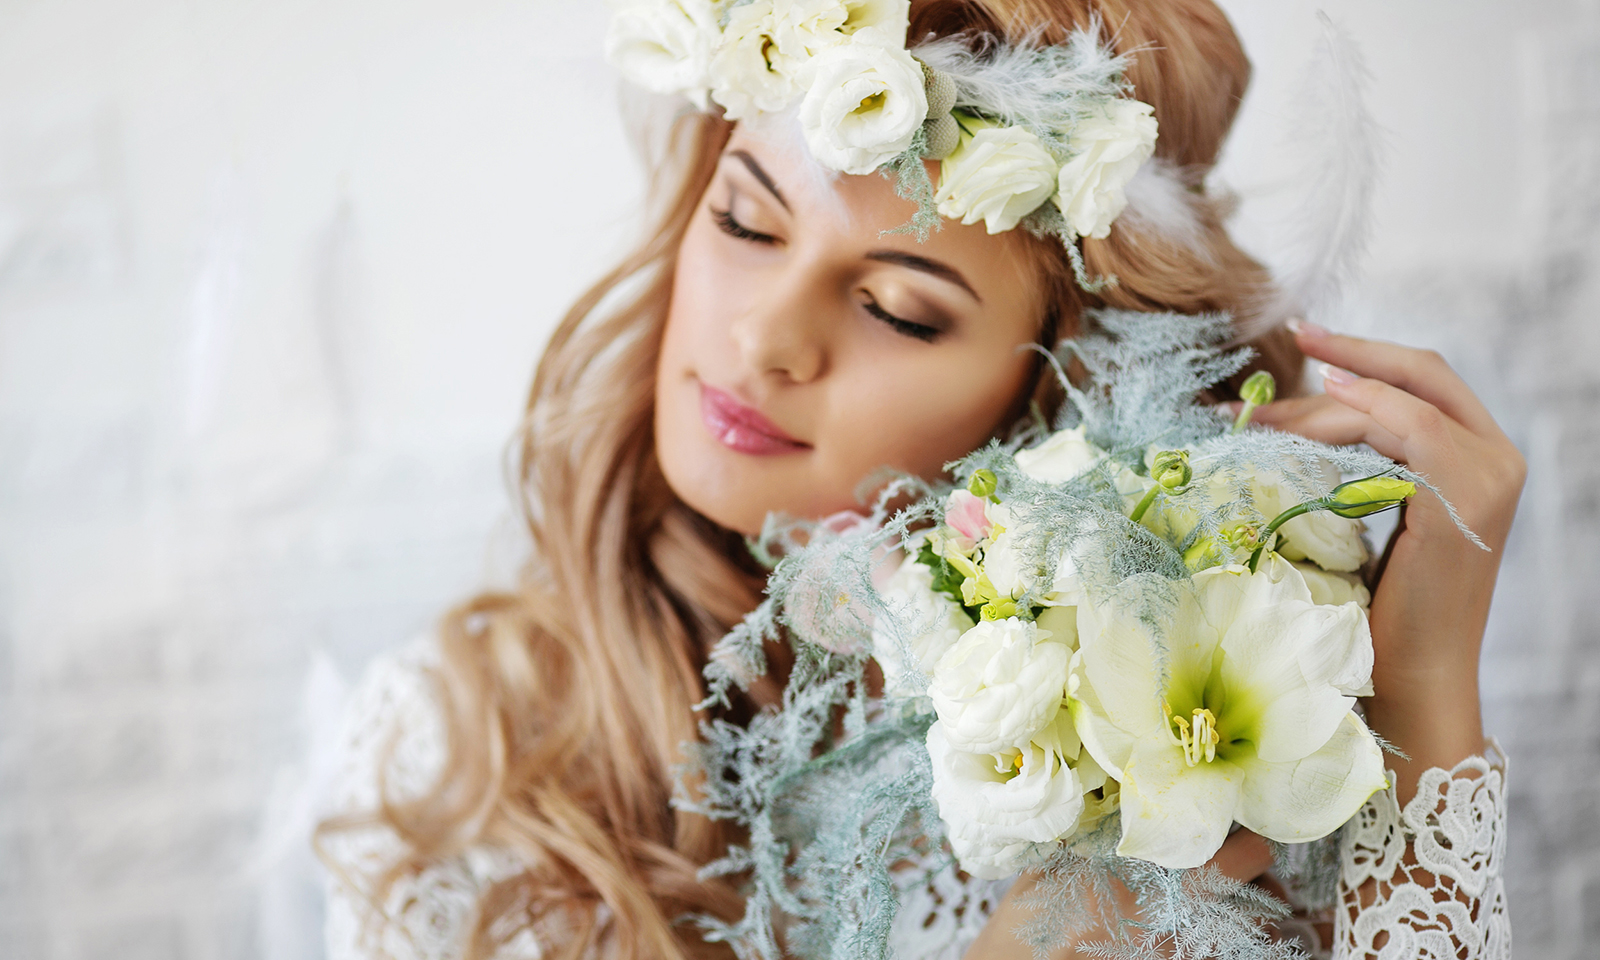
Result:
768,347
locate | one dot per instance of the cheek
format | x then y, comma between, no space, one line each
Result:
923,415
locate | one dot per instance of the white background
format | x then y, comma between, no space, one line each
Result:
273,278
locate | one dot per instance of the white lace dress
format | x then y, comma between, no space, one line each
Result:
1435,866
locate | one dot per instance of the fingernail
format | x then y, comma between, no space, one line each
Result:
1301,327
1333,374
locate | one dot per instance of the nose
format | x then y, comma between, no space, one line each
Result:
782,332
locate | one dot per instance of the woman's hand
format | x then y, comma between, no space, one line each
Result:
1244,856
1431,605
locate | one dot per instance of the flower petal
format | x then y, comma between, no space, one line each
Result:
1310,798
1173,814
1119,662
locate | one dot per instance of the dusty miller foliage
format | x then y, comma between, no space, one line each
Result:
833,785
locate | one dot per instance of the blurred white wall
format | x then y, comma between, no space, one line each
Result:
273,277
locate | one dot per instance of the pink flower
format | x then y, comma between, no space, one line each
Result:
967,515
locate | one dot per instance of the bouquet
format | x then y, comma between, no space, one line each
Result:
1117,637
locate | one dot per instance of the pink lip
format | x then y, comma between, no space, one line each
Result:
739,426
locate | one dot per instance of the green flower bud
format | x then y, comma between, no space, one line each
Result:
1171,469
1360,498
1259,389
982,484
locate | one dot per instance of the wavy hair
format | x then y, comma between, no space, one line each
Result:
567,700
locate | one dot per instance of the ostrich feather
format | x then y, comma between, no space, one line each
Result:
1340,144
1161,204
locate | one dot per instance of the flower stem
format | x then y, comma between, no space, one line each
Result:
1144,504
1280,520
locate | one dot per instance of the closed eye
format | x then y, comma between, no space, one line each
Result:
733,228
920,331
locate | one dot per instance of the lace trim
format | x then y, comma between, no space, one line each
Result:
1424,883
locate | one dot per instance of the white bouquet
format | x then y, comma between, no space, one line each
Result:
1116,640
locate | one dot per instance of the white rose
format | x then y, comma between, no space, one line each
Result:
997,174
665,45
1001,815
864,104
752,71
1066,454
925,625
999,685
1109,147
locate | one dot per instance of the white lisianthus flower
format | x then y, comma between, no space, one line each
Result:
1109,146
817,25
997,174
1246,718
756,67
1005,812
1001,684
926,624
864,104
665,45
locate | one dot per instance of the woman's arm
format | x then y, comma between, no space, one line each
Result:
1421,863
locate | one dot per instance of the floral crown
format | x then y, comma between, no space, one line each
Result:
1044,136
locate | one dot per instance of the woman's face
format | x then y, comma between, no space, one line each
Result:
805,349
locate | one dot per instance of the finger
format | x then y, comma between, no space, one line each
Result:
1418,433
1338,424
1244,856
1279,410
1422,373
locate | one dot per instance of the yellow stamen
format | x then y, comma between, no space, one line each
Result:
1198,737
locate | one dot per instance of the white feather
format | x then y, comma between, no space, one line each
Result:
1043,88
1324,241
1161,204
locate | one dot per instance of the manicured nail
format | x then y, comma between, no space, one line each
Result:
1333,374
1301,327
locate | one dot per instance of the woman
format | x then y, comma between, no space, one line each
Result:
773,344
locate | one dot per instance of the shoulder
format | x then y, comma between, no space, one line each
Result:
393,743
392,739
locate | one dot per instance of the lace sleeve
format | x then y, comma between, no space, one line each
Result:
1424,883
393,723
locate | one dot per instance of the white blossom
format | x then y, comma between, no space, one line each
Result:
1109,146
665,45
1244,714
863,105
925,625
997,174
1000,684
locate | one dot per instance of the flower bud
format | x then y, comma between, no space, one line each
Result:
1171,468
982,484
1259,389
1360,498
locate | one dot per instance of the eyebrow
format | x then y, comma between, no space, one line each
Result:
757,171
941,270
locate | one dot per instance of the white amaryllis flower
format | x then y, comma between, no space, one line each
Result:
997,174
665,45
925,625
1005,812
1109,146
863,105
1248,718
1000,685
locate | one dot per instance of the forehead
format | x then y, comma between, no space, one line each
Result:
858,214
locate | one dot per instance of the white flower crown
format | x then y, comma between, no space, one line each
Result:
1015,126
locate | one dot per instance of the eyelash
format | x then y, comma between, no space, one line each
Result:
920,331
733,228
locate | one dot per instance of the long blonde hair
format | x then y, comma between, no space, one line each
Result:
566,701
